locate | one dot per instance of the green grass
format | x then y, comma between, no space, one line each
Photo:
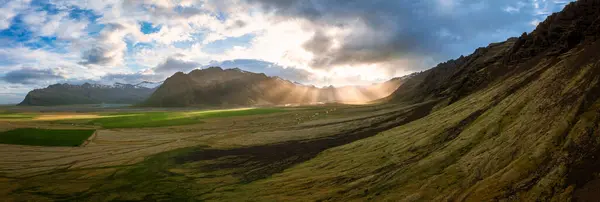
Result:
162,119
45,137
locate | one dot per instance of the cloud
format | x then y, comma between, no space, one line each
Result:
319,43
31,76
12,93
109,48
173,64
367,32
59,25
268,68
99,55
9,9
132,78
516,8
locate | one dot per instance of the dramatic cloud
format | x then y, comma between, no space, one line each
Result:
359,33
31,76
321,42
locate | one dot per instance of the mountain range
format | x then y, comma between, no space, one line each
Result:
210,87
215,86
68,94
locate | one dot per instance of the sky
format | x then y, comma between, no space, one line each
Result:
318,42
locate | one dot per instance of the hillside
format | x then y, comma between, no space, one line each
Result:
234,87
515,121
67,94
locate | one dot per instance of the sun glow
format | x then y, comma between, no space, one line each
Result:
350,93
351,76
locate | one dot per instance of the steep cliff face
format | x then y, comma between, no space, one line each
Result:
67,94
234,87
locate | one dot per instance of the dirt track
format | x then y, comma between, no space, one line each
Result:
90,139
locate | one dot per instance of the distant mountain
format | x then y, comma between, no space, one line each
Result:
215,86
67,94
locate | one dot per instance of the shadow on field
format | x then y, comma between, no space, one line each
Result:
258,162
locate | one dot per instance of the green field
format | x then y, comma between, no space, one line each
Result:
45,137
162,119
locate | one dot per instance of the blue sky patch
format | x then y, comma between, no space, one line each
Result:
17,32
45,5
78,14
149,28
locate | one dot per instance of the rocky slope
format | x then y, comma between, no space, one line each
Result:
234,87
67,94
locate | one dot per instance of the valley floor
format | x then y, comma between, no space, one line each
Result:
201,158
